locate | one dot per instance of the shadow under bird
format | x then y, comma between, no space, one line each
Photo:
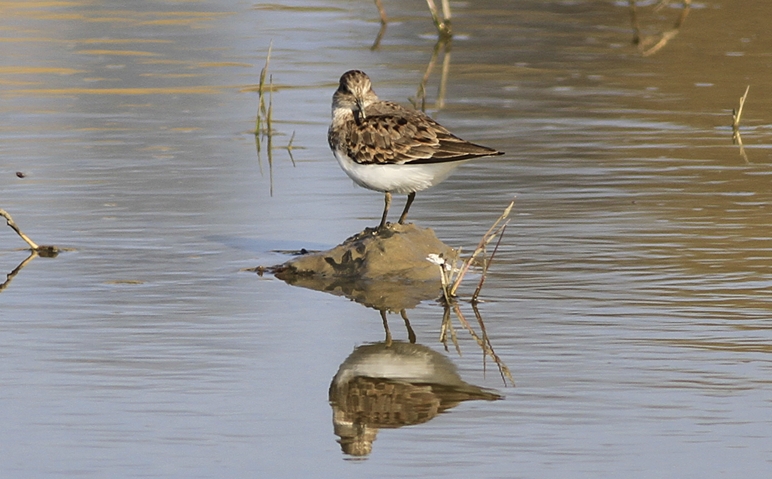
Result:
386,147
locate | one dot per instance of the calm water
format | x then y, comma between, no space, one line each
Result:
631,297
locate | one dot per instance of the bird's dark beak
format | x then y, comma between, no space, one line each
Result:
361,108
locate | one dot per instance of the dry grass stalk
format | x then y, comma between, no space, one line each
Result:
269,132
497,227
442,23
451,274
262,111
736,115
486,264
264,120
381,12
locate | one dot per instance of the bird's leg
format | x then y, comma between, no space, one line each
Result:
386,328
410,199
410,332
387,201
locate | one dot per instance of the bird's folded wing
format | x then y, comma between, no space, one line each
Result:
391,134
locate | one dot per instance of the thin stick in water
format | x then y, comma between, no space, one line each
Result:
486,266
736,115
49,251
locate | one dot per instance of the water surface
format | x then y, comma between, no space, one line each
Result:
630,297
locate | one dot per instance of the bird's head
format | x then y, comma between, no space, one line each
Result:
355,93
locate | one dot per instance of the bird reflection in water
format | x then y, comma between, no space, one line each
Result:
393,384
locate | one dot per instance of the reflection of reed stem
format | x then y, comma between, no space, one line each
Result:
420,100
443,78
289,148
447,326
484,343
12,274
503,369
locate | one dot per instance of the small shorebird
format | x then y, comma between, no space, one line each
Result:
385,147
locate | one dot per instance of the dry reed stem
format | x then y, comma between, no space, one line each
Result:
492,232
264,120
33,246
446,10
736,115
486,265
381,12
261,109
269,132
441,23
49,251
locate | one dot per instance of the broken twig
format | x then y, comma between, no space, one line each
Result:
48,251
736,115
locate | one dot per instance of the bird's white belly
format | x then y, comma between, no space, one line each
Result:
400,179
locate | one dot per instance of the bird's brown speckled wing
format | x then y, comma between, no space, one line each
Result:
391,134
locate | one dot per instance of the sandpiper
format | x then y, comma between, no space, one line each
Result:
385,147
